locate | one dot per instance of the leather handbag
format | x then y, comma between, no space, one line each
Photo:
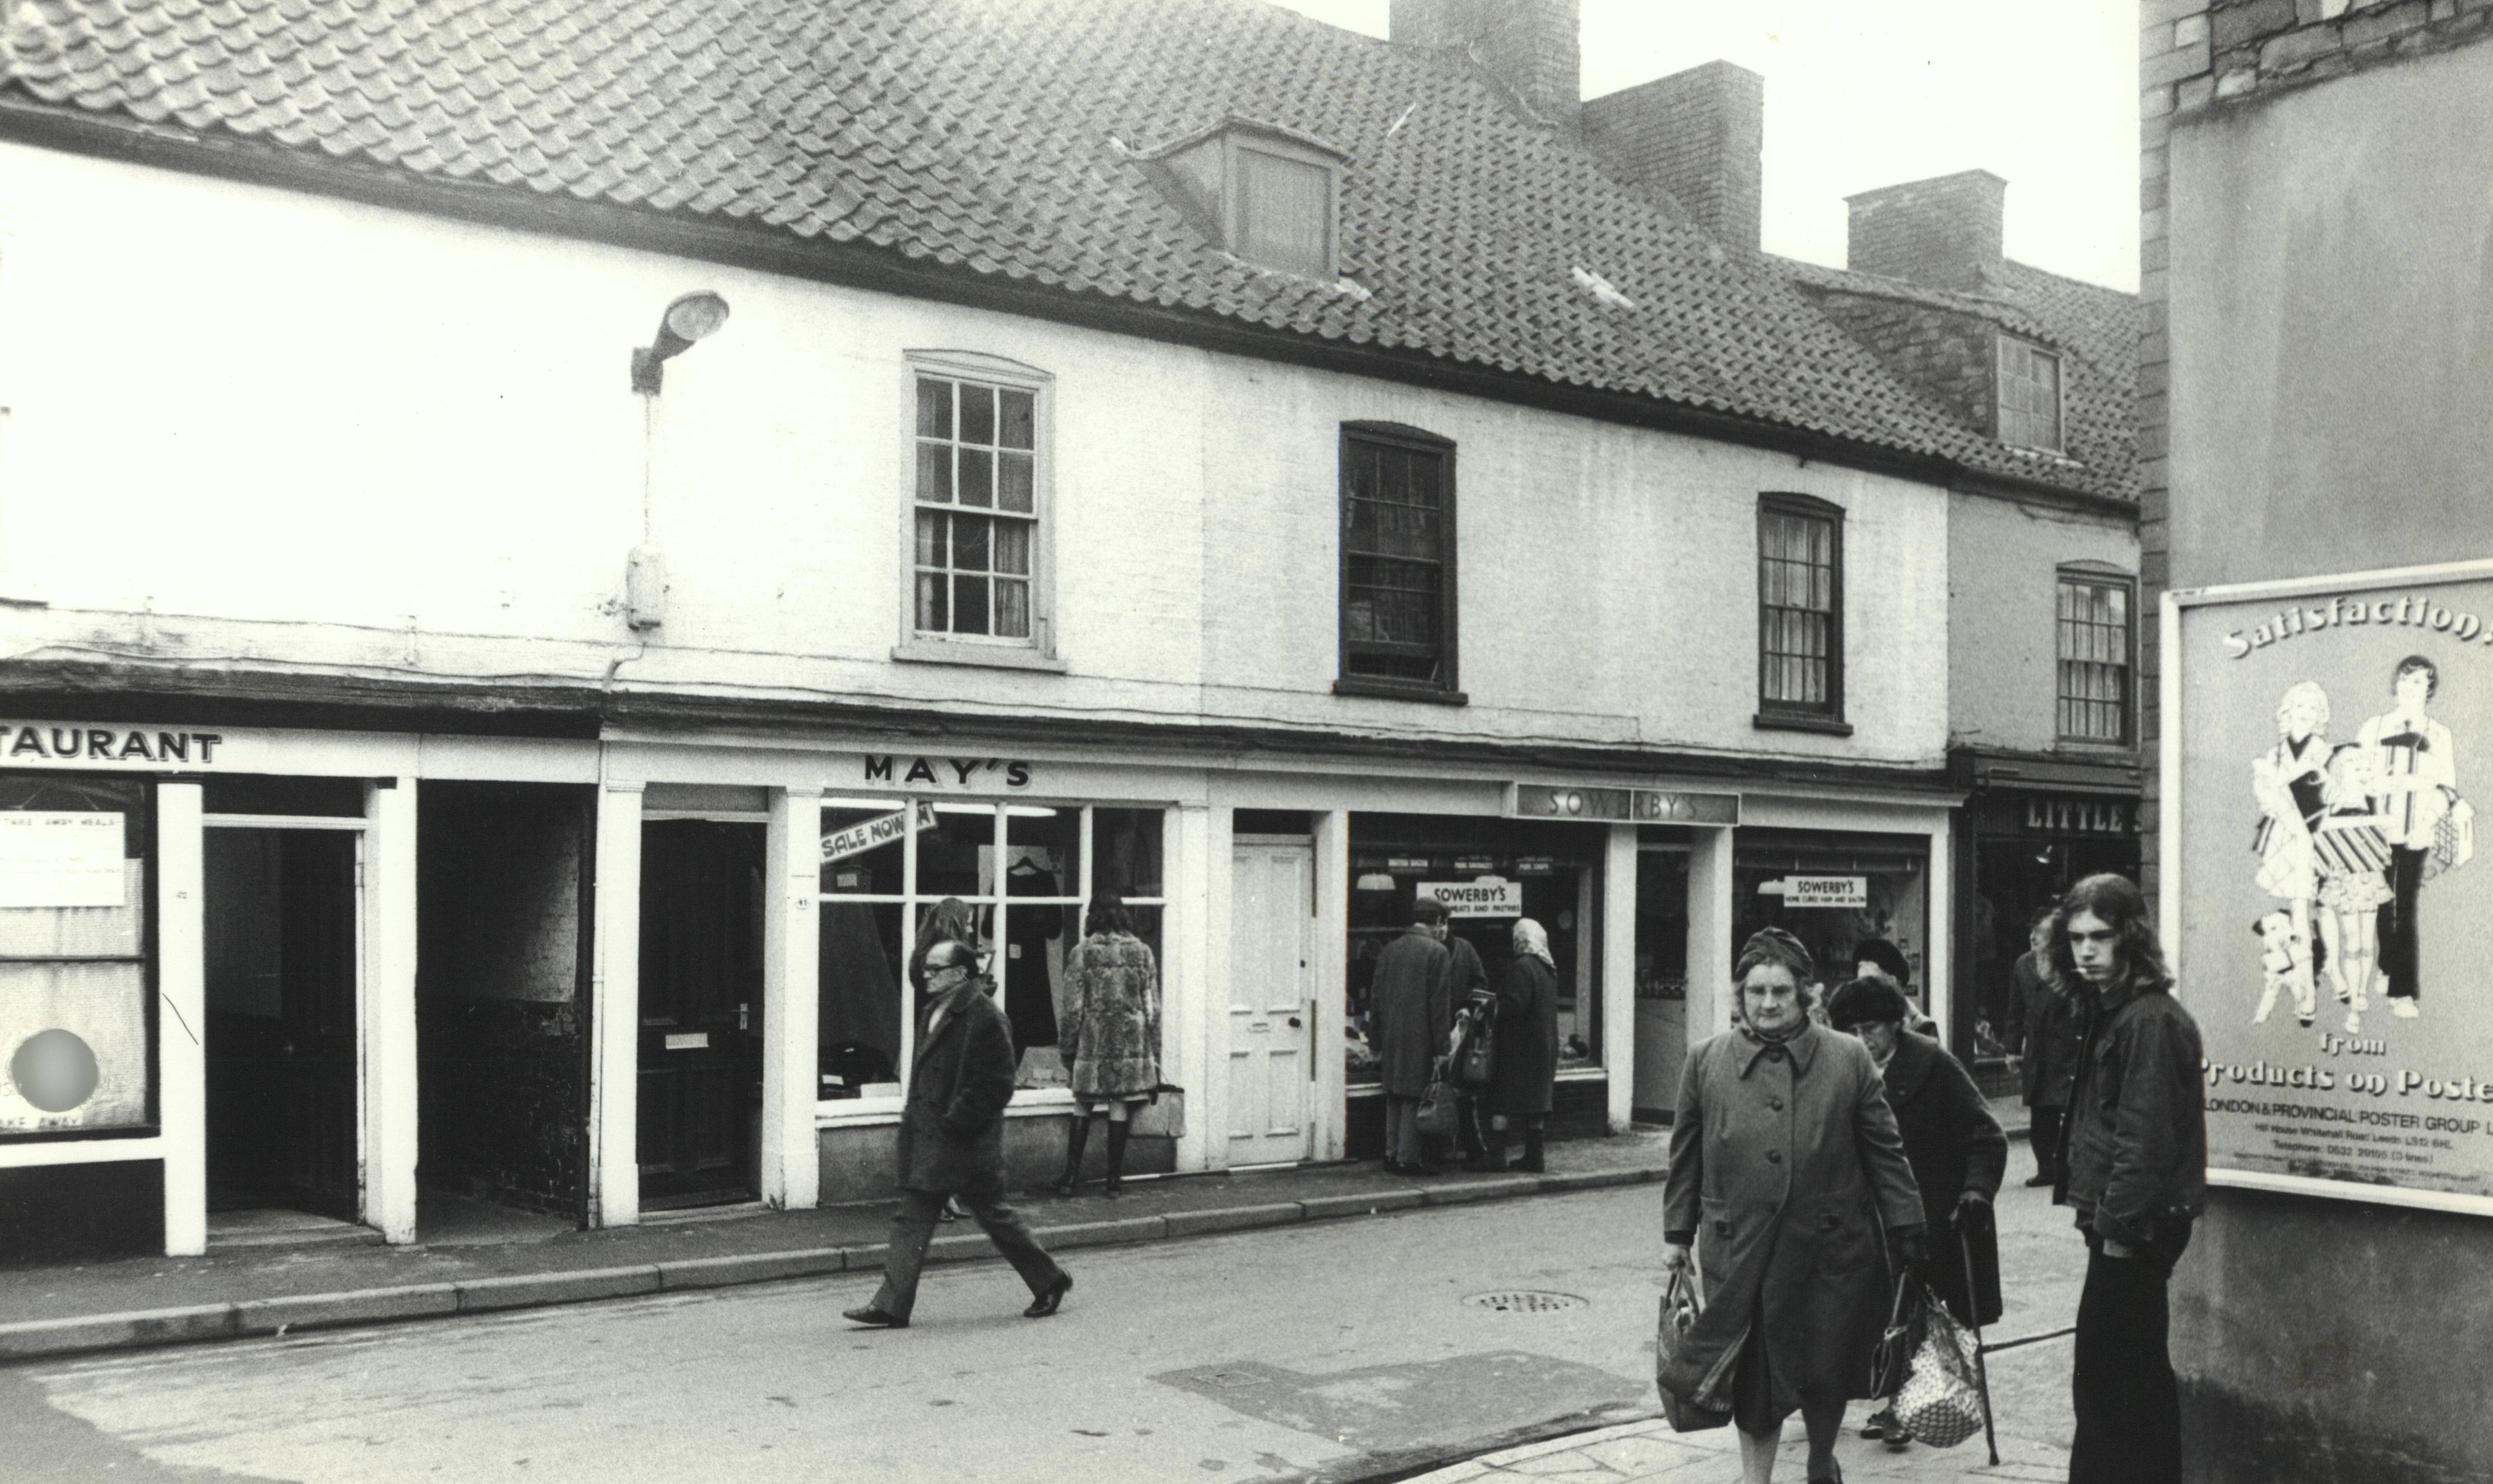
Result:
1679,1311
1163,1117
1477,1061
1440,1107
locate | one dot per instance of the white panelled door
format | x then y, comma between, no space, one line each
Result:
1272,1003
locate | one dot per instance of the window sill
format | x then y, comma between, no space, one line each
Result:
871,1112
1782,721
983,656
1387,690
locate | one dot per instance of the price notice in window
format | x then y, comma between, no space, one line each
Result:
55,860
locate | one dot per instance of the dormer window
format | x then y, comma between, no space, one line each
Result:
2030,396
1269,194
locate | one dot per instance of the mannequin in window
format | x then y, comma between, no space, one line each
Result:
1029,994
1110,1035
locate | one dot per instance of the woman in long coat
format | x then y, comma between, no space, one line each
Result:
1526,1060
1785,1165
1109,1034
1955,1147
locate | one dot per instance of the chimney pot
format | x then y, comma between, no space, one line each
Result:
1944,232
1699,135
1532,47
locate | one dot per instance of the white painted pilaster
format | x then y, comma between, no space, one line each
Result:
388,1018
1619,860
1331,979
615,1014
1212,988
1935,956
1711,948
181,1051
791,875
1185,1015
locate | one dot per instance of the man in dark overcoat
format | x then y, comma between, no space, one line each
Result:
951,1142
1410,1012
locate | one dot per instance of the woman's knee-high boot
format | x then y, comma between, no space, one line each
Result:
1074,1138
1118,1129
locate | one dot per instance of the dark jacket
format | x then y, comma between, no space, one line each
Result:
1785,1164
1408,1014
2051,1063
2134,1156
1527,1038
952,1127
1954,1145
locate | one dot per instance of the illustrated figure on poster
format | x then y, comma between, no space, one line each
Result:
2353,849
2418,795
2281,960
2290,781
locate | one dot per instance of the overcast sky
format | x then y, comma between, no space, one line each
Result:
1866,93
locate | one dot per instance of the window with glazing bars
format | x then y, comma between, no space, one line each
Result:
977,508
2030,396
1801,607
1398,555
2094,658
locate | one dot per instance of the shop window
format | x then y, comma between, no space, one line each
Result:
1398,562
978,508
1554,879
1025,873
2094,645
1833,892
1800,612
76,1015
2029,395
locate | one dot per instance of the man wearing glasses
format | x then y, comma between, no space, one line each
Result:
951,1142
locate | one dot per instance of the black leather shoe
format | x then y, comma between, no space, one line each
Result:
1053,1299
873,1318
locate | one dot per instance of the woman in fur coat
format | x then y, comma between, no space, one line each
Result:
1109,1034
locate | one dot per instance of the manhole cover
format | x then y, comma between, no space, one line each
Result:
1525,1301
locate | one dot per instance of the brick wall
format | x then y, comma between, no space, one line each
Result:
1945,231
1945,355
1697,136
1528,44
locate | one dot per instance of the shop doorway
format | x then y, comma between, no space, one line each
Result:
1661,1029
281,910
701,1013
1272,1000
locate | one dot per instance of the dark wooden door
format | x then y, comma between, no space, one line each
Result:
701,1011
283,959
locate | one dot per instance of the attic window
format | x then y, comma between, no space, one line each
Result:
2030,396
1268,195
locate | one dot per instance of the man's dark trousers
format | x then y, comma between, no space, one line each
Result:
912,1226
2128,1400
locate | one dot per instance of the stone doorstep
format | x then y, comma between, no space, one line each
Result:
147,1328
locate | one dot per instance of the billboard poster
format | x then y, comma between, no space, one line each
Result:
2327,746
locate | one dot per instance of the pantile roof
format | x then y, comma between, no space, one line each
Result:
999,140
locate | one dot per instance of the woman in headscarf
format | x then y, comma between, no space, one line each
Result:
1526,1061
1954,1144
1785,1166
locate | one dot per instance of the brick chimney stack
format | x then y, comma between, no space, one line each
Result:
1530,45
1699,135
1944,232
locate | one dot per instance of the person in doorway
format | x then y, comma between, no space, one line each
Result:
2051,1063
1408,1016
951,1144
1526,1067
1875,958
1109,1033
2416,766
1785,1158
2136,1175
1956,1148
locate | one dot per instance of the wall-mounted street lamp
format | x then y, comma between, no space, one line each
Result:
694,316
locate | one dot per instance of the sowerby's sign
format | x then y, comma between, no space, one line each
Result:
51,745
1486,896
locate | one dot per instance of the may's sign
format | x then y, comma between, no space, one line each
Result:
2328,743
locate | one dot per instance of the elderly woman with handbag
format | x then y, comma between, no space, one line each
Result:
1109,1036
1785,1166
1526,1063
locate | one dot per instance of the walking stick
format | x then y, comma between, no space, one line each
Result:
1981,1373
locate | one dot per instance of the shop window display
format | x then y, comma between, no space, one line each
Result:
1833,891
1023,873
